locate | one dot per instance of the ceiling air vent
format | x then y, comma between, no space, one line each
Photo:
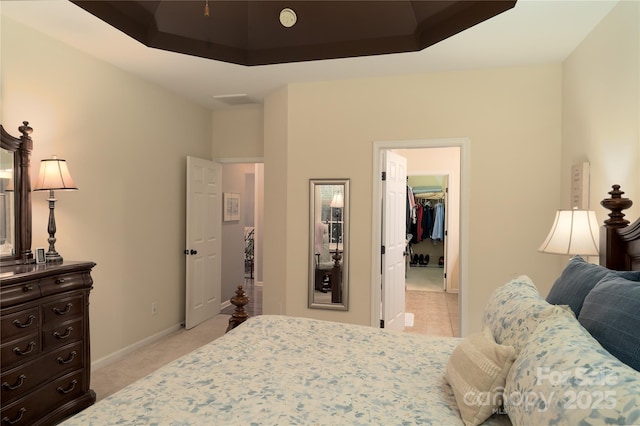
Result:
240,99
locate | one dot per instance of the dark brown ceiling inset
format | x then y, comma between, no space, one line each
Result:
250,32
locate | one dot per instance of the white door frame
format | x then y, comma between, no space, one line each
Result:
376,212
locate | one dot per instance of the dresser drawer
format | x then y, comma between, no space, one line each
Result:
18,351
21,379
62,333
62,309
64,282
19,293
20,323
27,410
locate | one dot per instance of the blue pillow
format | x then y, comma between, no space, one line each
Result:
611,313
577,280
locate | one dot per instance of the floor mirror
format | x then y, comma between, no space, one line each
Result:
329,244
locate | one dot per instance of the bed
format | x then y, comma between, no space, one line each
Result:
536,362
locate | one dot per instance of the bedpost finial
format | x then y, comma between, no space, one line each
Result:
616,204
615,192
239,315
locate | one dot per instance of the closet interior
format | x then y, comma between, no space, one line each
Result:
426,222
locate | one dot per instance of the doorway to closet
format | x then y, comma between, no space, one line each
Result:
427,228
434,289
431,305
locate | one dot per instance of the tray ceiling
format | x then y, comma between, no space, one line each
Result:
251,32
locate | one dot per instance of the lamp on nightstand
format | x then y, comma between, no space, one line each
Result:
54,176
574,232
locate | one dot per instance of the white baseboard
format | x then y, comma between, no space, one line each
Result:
225,304
116,356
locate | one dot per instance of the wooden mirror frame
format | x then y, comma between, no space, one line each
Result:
336,269
21,148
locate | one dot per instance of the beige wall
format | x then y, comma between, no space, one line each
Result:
601,109
512,117
237,133
276,211
125,141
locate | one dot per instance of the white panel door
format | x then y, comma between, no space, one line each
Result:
203,272
394,233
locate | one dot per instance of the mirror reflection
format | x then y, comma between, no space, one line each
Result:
7,204
329,224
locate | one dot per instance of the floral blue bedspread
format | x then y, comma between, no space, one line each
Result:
277,370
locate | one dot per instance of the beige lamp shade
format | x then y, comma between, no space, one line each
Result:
337,201
574,232
54,176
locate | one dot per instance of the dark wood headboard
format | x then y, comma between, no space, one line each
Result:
619,240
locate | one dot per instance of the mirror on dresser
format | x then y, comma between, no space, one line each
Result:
15,197
7,204
329,244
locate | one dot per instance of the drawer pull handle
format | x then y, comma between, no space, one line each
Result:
71,387
17,419
29,349
27,288
59,280
72,355
19,383
66,334
65,311
17,323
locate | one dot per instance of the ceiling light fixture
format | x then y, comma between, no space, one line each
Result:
288,17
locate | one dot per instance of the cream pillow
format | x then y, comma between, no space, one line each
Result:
477,370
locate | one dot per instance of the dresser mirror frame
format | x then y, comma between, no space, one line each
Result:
328,245
18,229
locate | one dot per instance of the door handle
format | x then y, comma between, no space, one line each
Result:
190,252
194,251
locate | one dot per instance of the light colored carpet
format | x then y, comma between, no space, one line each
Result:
143,361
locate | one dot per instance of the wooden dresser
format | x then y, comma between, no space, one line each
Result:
44,344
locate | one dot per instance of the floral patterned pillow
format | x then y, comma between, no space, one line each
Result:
515,310
563,376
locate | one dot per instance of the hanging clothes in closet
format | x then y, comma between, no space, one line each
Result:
438,222
428,216
411,209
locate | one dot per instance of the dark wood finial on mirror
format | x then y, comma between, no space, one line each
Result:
25,129
239,315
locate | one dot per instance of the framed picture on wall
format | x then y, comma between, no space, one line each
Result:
231,207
